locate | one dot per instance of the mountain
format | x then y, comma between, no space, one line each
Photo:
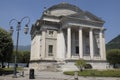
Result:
23,48
114,43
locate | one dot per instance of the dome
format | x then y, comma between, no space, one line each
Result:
69,10
65,6
63,9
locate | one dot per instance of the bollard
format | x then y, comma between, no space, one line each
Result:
31,74
22,73
76,75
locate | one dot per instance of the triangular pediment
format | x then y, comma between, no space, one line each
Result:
93,17
86,16
77,15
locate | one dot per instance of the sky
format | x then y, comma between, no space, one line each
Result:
108,10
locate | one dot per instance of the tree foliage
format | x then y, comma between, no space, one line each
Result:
6,46
80,64
113,56
22,56
26,56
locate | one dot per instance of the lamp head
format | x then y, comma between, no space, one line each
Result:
26,29
11,30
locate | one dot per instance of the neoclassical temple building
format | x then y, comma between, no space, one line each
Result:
64,34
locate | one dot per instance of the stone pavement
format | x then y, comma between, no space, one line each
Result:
47,75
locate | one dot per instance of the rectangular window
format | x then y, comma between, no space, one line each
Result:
50,50
50,32
87,49
77,50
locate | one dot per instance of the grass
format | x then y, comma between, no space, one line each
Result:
7,71
97,73
11,68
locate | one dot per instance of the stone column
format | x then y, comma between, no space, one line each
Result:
43,44
91,43
101,43
68,42
80,43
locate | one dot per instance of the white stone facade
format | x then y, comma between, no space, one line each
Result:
65,34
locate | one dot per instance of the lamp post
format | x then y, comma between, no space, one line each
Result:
18,28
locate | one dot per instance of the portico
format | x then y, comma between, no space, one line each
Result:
90,49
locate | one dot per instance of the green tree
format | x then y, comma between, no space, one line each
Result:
18,55
113,56
22,56
80,64
26,57
6,46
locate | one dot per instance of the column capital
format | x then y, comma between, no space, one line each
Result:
69,28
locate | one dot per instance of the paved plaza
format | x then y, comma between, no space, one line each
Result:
49,75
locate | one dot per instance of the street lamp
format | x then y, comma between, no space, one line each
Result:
18,28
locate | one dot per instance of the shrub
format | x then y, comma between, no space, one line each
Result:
80,64
113,56
88,66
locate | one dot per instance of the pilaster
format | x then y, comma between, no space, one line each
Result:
101,43
104,47
60,45
43,44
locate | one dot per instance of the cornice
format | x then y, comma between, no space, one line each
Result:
81,21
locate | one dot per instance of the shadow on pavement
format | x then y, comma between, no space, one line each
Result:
5,72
